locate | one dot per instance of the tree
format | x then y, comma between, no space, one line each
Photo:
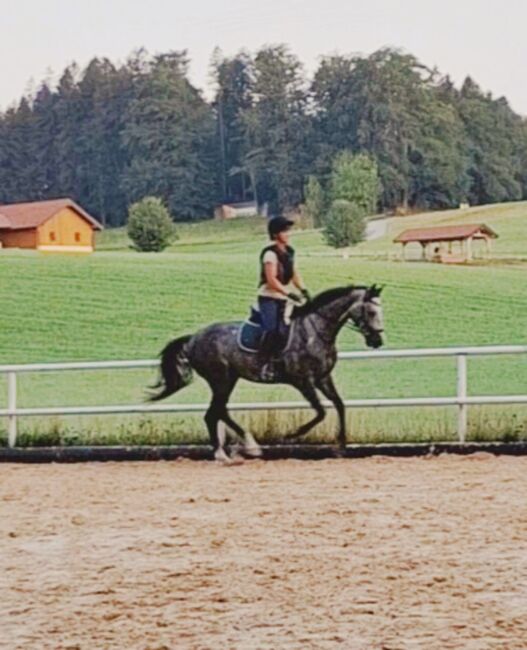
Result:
314,201
388,105
169,140
494,136
438,158
277,128
149,225
355,179
345,224
232,77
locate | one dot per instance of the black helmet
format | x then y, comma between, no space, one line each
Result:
278,224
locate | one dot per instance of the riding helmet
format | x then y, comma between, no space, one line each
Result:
277,225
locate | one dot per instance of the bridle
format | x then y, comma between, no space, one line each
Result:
360,324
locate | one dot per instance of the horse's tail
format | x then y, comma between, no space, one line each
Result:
176,371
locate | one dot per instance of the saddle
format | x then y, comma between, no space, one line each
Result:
250,334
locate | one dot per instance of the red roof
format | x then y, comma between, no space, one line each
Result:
18,216
444,233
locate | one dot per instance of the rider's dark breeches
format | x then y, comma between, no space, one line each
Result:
272,315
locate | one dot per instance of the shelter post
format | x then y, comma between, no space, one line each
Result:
469,249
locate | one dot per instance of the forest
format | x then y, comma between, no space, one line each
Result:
108,135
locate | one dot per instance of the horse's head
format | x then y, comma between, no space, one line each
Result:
366,316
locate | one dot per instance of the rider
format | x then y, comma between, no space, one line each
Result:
277,273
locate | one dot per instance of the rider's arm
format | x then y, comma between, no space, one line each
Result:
298,282
271,278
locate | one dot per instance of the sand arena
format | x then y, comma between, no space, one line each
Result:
355,554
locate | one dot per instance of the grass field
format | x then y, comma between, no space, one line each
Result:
119,304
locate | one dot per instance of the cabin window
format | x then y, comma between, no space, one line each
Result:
77,236
52,236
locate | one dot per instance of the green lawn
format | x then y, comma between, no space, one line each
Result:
119,304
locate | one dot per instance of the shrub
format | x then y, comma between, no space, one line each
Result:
149,225
345,224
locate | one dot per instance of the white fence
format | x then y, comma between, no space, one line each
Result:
460,399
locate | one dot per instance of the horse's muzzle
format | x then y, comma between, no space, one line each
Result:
374,340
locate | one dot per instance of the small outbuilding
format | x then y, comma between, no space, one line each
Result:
57,225
234,210
442,238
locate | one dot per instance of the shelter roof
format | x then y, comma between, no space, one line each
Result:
17,216
445,233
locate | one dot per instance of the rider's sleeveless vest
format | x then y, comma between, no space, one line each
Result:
286,264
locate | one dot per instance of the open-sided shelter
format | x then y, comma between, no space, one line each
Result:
440,236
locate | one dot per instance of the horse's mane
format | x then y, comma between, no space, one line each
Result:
324,298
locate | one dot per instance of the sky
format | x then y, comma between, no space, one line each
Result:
485,39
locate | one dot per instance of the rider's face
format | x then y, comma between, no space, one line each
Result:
283,237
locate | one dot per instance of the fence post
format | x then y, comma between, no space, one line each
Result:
11,406
461,394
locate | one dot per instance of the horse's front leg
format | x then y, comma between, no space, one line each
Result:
308,391
327,388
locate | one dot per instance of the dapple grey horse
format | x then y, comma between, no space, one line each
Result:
306,363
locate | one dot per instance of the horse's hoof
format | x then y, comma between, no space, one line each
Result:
236,459
220,456
251,448
254,452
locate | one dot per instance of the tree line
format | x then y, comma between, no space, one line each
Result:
109,134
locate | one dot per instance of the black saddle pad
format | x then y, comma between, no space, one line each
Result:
250,334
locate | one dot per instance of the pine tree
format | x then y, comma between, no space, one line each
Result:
169,141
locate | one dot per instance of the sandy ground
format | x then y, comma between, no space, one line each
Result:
357,554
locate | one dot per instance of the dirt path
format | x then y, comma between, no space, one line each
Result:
356,554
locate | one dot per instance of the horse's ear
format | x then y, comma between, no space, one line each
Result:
373,292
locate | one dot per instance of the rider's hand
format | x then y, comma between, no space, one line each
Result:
305,293
294,298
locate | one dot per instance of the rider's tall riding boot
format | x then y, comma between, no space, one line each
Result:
266,357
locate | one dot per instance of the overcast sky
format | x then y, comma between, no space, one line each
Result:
484,38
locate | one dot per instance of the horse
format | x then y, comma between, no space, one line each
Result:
306,363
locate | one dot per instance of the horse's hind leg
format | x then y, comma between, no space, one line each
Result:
212,417
250,446
222,389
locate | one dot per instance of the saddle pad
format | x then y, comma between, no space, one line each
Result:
250,336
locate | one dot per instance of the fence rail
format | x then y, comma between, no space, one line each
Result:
460,399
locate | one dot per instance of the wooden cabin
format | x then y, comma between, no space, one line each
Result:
59,225
442,239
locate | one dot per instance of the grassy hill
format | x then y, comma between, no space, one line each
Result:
509,220
119,304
